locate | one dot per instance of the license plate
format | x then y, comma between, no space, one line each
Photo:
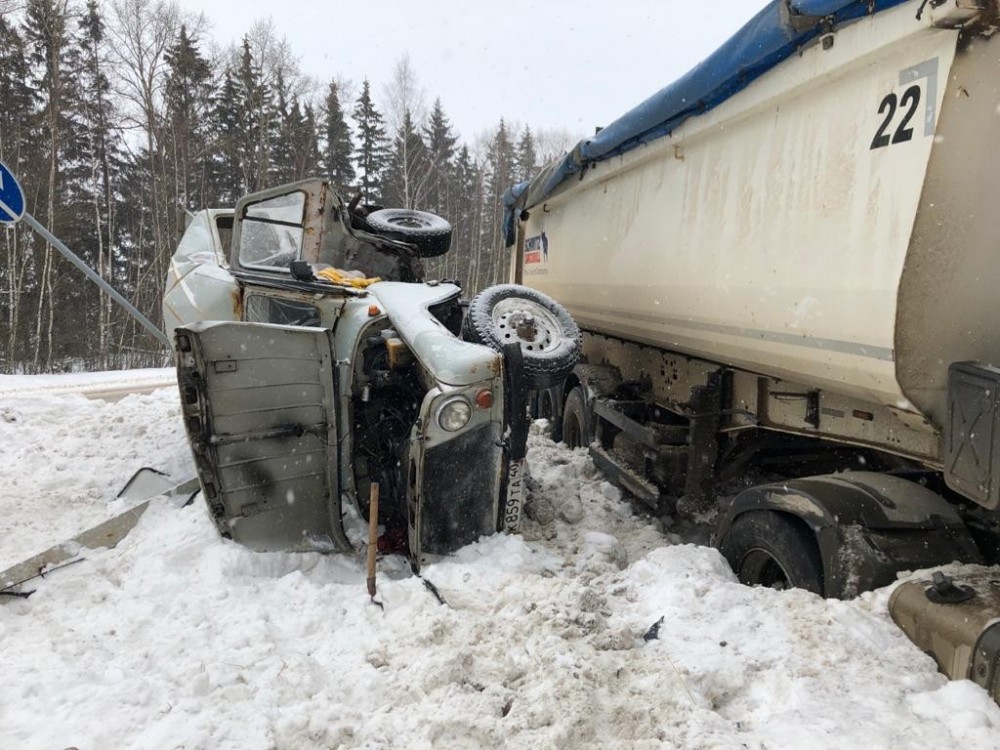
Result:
516,491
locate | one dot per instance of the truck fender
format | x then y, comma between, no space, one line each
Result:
596,381
867,526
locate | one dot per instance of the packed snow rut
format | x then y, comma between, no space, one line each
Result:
178,639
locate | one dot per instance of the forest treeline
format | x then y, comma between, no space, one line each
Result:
119,116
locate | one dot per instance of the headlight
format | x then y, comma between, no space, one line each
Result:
455,414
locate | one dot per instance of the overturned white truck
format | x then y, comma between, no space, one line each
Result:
786,268
323,379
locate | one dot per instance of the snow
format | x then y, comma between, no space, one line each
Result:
179,639
67,451
87,383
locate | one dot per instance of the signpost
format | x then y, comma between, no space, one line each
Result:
12,211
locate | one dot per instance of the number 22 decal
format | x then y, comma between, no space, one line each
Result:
909,104
911,99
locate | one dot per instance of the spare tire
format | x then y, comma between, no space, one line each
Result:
428,233
511,314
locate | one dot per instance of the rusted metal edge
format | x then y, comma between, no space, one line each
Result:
106,534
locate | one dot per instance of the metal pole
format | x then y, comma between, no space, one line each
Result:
92,275
372,537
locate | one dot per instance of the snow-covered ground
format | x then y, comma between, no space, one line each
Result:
67,451
178,639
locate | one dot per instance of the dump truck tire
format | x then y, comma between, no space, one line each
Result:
765,548
576,428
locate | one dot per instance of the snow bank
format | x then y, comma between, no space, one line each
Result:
66,454
180,639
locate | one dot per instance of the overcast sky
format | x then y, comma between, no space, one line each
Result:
570,64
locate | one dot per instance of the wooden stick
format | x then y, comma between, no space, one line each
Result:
372,537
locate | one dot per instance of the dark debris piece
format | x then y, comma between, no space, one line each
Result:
434,590
18,594
654,631
42,572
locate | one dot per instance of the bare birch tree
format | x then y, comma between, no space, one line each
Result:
141,32
404,95
409,176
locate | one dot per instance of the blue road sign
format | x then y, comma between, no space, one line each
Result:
11,197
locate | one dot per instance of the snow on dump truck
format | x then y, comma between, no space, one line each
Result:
785,268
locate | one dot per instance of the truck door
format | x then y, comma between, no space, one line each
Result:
260,409
277,226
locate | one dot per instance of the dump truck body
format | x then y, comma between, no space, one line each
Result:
776,233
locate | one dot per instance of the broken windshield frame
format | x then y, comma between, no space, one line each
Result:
272,232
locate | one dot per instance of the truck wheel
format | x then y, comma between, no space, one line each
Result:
577,430
428,233
508,314
765,548
547,409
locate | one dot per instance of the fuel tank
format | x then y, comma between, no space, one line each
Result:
953,618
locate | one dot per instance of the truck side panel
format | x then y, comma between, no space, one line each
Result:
767,234
948,293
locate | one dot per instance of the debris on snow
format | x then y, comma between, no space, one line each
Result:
654,631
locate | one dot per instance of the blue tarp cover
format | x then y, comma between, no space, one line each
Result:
773,35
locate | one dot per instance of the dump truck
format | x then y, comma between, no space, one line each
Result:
785,268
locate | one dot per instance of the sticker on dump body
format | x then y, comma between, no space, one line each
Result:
536,255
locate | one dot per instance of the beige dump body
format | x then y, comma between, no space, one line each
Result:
834,224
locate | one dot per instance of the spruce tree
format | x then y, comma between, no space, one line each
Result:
307,152
499,176
440,156
20,100
188,100
254,118
466,219
224,183
18,150
372,148
296,154
337,146
526,158
288,118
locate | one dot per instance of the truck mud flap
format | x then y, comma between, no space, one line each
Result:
516,408
972,465
515,401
